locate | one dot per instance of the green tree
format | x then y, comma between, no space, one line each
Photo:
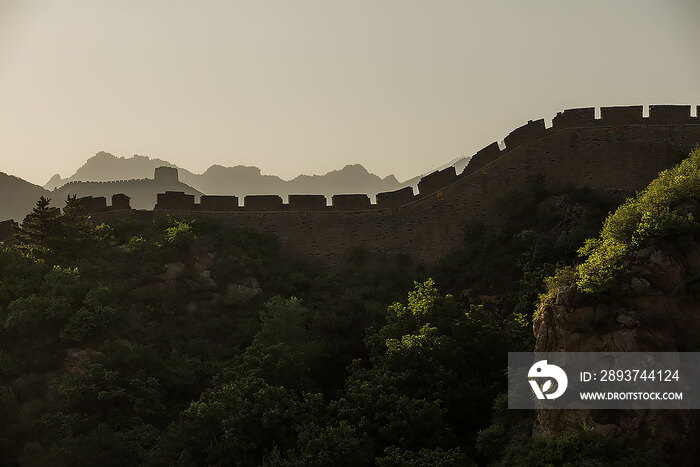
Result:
77,232
38,234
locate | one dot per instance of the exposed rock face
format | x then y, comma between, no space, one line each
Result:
656,308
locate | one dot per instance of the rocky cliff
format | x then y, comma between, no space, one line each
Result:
650,302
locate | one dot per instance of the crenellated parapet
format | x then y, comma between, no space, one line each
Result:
98,204
570,119
175,201
613,151
307,203
395,199
104,182
219,203
436,180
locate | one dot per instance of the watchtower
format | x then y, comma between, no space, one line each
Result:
166,175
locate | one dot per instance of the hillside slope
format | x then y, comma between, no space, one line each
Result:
19,196
637,290
104,167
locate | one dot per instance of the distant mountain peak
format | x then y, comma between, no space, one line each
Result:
239,180
357,168
53,182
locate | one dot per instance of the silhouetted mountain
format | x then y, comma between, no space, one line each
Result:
104,167
350,179
239,180
105,174
19,197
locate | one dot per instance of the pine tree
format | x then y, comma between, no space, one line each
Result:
78,233
38,235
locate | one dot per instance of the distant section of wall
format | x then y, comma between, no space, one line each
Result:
621,152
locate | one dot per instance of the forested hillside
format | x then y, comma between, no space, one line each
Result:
187,342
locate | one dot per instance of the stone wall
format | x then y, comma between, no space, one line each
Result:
7,230
620,152
98,204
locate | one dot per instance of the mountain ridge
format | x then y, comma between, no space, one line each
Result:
219,179
105,174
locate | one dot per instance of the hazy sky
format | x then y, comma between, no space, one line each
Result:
297,86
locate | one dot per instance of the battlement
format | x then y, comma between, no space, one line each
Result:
175,201
120,201
574,118
263,202
351,202
670,114
436,180
622,115
98,204
616,154
219,203
92,205
107,182
307,202
482,158
395,199
534,130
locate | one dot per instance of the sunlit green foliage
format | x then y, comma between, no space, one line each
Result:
655,213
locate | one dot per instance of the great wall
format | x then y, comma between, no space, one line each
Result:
617,153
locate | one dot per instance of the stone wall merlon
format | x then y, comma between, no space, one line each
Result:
482,158
531,130
572,118
669,114
263,203
175,200
218,203
93,205
121,201
351,202
395,199
307,202
621,115
436,180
